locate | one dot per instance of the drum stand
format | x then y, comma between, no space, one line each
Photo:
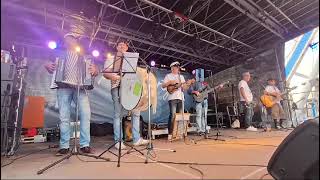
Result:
120,140
74,151
206,136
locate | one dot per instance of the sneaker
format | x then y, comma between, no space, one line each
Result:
62,152
251,128
117,146
86,150
141,142
169,137
278,127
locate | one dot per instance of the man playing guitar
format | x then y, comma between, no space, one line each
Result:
201,107
276,111
175,84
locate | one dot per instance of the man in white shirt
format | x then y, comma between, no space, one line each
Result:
246,99
276,111
175,99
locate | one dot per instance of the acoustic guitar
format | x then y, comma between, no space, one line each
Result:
174,87
270,100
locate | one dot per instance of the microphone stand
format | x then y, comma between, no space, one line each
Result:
74,151
150,146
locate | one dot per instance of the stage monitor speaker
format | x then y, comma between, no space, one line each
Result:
297,157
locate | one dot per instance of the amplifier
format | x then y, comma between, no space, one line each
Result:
8,71
7,86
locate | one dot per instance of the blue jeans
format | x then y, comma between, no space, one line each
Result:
248,111
65,97
119,113
202,109
175,106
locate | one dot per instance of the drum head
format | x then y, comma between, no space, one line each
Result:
130,91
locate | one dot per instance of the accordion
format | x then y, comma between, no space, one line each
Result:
72,70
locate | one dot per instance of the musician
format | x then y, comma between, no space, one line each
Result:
68,93
246,101
114,66
276,111
201,107
175,99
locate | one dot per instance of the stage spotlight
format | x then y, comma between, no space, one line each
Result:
52,45
78,49
152,63
95,53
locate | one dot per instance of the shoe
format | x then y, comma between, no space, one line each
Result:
86,150
62,152
278,127
169,137
251,128
117,146
141,142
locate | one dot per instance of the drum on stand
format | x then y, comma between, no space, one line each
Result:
130,91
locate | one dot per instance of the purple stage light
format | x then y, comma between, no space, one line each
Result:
95,53
52,45
152,63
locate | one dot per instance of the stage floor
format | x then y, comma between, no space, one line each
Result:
240,148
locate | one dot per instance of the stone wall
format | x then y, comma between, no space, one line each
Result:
261,67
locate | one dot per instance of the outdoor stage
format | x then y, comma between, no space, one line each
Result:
245,148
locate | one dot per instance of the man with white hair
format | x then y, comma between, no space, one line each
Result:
246,99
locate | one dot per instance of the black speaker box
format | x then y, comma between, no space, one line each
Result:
297,157
8,71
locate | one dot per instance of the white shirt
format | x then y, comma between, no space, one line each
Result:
177,94
109,63
273,89
243,84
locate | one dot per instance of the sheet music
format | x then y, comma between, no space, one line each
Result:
130,62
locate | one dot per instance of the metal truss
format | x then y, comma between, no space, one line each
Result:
63,17
256,13
152,12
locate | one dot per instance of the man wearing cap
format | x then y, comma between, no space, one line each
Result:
175,99
246,99
119,111
68,93
276,111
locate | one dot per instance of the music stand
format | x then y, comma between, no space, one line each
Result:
74,151
126,67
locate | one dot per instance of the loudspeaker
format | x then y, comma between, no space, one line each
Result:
8,71
297,157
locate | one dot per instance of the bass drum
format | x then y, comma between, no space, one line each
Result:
130,91
134,91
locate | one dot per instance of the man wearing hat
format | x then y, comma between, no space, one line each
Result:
176,98
67,93
276,111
